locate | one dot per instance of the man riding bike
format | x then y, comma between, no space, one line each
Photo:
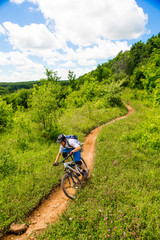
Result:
69,146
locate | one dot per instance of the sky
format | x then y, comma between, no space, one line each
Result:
64,35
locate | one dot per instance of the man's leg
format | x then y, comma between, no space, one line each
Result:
66,151
77,156
77,159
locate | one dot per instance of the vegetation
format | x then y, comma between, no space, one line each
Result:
121,198
127,164
6,88
6,115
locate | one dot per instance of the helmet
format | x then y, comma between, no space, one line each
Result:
61,138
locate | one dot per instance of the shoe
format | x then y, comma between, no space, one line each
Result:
84,173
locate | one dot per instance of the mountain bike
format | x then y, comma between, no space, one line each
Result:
71,183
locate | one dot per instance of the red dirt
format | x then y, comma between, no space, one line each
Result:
49,211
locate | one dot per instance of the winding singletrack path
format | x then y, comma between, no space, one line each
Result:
49,211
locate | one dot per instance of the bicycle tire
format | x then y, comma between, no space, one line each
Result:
70,185
84,166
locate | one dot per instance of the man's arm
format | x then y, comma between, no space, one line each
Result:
57,158
76,149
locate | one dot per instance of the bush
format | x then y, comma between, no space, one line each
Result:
113,97
157,94
7,164
137,79
6,114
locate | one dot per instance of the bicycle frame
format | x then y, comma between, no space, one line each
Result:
78,170
67,166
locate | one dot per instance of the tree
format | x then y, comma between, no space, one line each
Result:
152,43
45,103
19,98
71,78
151,71
122,63
137,54
157,94
136,80
6,114
51,76
99,72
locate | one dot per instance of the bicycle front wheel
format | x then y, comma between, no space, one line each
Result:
71,185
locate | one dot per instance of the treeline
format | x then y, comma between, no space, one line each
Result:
6,88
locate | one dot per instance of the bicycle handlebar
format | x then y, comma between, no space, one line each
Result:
57,164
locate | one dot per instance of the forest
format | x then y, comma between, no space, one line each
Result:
6,88
33,116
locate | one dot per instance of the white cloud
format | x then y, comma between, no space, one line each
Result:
81,22
68,64
103,49
76,34
16,76
30,37
19,60
2,30
23,68
86,62
23,63
4,59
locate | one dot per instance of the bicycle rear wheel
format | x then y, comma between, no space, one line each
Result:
84,167
71,185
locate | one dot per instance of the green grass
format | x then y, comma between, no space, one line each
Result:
28,178
121,199
26,172
82,120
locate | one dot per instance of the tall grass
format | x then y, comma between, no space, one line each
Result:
121,199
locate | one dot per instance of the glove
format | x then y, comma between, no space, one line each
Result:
70,153
55,164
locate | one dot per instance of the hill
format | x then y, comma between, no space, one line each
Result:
31,120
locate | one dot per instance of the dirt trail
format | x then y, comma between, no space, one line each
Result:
57,202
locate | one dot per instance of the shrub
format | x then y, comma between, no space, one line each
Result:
113,97
45,102
6,114
157,94
7,164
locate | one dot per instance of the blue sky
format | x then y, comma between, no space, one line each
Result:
69,35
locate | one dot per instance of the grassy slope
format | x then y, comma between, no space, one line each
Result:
121,198
27,162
